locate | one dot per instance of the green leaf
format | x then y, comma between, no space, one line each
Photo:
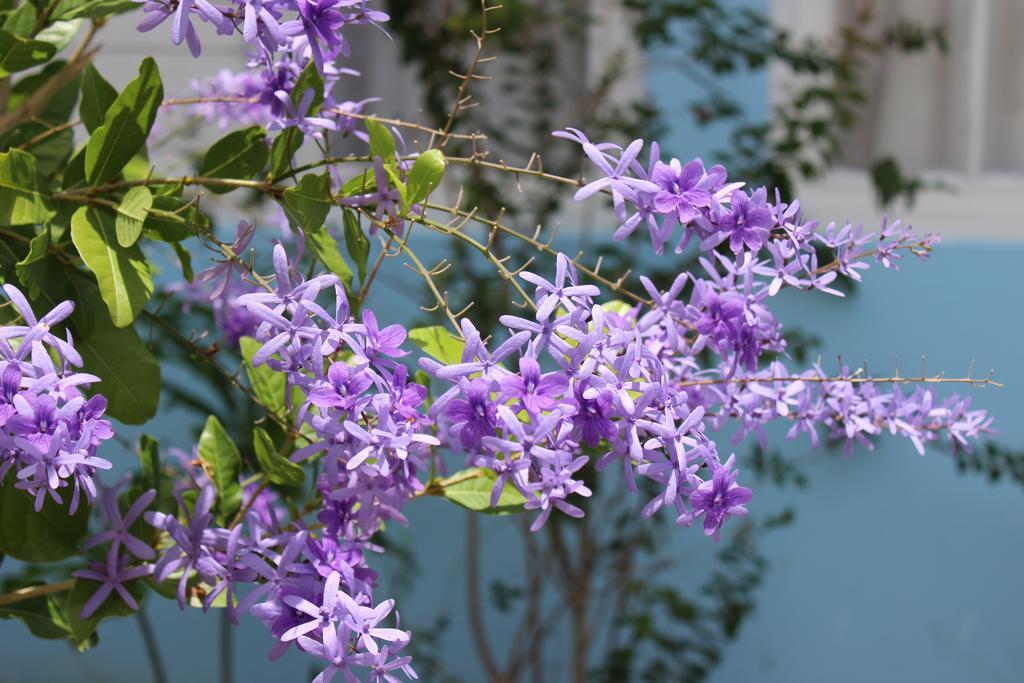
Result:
425,175
308,203
18,54
221,456
131,214
24,199
44,616
283,150
60,33
82,630
309,79
439,343
142,96
185,258
185,222
58,107
123,273
382,142
112,146
129,374
238,155
474,492
45,536
89,9
21,21
268,385
51,154
325,248
97,96
33,269
279,469
149,461
126,124
357,243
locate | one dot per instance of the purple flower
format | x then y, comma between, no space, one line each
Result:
718,499
550,295
364,622
683,190
119,532
473,416
112,575
591,420
343,387
536,391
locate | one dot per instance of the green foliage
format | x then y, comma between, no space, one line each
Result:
44,616
283,150
268,385
382,142
472,490
357,243
173,219
45,536
97,96
425,175
83,630
18,54
126,125
129,372
277,468
325,248
309,80
241,154
112,146
90,9
149,462
131,215
33,270
24,197
438,342
223,463
60,33
123,273
308,203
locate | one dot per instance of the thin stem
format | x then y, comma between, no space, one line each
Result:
436,487
461,97
156,661
385,250
498,263
545,247
49,132
30,592
38,100
852,379
422,271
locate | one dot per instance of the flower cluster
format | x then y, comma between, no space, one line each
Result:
313,591
122,561
609,393
372,435
700,201
49,430
632,384
362,422
282,49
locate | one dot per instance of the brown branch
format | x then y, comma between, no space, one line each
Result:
39,99
30,592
